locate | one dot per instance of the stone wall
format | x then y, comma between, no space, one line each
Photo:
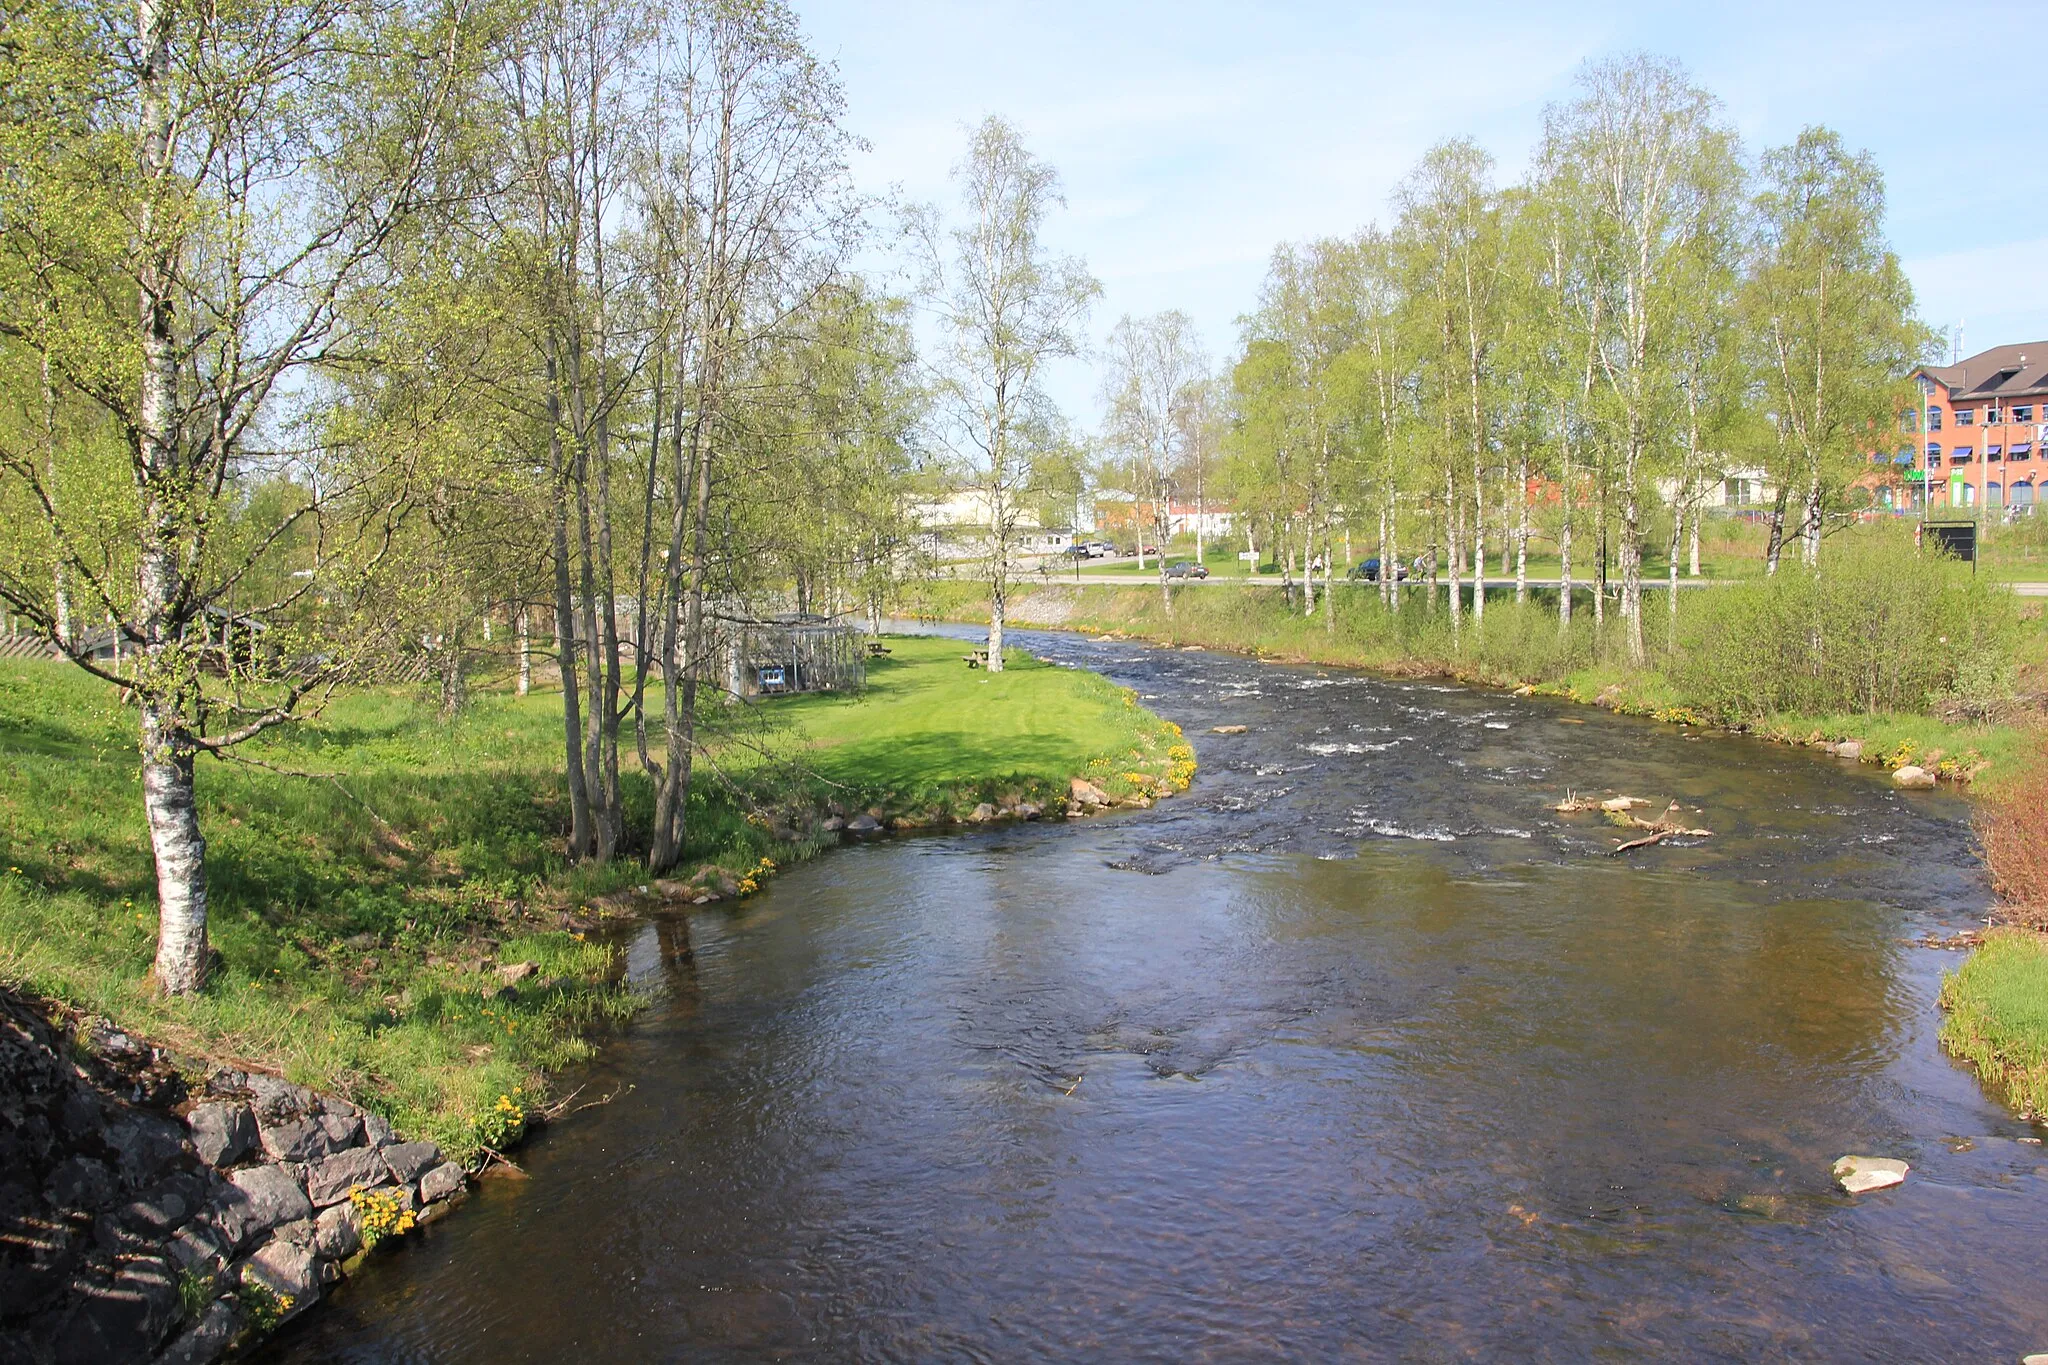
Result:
141,1222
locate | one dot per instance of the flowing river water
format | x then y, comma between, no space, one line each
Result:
1355,1050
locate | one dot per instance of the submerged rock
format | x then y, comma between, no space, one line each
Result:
1857,1174
1228,729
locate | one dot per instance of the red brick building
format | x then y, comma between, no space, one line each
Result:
1977,437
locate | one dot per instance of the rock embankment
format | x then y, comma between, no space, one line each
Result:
142,1222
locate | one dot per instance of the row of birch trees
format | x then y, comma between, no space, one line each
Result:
338,334
1579,356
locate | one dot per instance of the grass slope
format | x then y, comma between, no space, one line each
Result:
358,915
1997,1008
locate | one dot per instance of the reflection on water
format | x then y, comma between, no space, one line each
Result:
1356,1050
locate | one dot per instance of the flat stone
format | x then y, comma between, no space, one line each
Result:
343,1130
409,1160
329,1181
206,1340
442,1181
198,1245
222,1132
294,1140
286,1270
273,1198
276,1098
1858,1174
1229,729
338,1232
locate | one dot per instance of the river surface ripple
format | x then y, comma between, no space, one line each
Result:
1353,1051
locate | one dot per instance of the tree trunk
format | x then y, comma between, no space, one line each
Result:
1451,538
1632,557
169,802
525,645
581,837
1776,541
1810,529
1522,532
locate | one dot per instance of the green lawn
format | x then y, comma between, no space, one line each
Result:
359,914
1997,1007
929,729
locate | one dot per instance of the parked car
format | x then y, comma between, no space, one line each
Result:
1098,549
1186,568
1368,571
1077,551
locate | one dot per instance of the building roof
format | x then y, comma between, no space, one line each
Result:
2019,370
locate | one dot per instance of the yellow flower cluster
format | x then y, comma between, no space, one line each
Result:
751,881
1182,758
383,1216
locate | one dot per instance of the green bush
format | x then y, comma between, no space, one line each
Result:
1879,627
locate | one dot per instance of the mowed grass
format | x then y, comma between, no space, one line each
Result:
360,909
1997,1016
929,729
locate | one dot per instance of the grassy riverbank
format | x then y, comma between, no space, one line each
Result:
1997,1017
361,916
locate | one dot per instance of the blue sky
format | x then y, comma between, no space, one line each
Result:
1193,137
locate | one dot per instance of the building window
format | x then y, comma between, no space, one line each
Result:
1934,419
1991,416
1908,422
1965,416
1934,457
2023,413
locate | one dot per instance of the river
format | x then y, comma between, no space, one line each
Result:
1356,1050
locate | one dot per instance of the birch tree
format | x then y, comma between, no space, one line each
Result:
1006,307
1152,364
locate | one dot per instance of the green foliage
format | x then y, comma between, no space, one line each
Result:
1997,1016
1881,627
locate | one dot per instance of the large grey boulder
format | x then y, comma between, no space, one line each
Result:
410,1160
1913,778
442,1181
286,1269
329,1181
276,1098
206,1340
109,1319
259,1198
222,1133
301,1139
338,1232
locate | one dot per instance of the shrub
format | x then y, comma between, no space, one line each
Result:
2012,822
1879,627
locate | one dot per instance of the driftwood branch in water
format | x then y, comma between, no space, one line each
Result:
1660,830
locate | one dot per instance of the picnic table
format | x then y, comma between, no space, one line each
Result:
876,649
975,658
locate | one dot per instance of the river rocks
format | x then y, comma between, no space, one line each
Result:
1857,1174
863,824
222,1133
1229,729
982,813
208,1338
144,1222
442,1181
833,824
287,1269
1912,778
338,1232
1082,792
1029,810
410,1160
329,1181
301,1139
269,1198
1849,748
512,973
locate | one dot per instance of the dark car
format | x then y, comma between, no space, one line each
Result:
1368,571
1186,568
